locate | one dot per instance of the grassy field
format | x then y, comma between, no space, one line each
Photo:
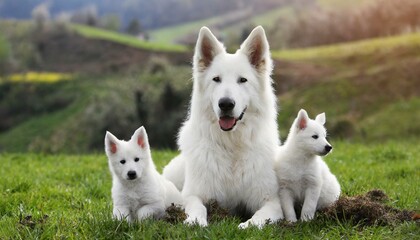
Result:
68,196
358,48
96,33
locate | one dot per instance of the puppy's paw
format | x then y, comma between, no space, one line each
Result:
306,216
291,219
202,222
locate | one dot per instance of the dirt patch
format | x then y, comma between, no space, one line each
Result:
215,212
366,210
363,210
175,214
29,221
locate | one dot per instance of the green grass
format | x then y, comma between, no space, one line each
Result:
4,48
168,35
358,48
68,196
96,33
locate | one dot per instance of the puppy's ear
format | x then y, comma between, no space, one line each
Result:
320,118
111,143
256,48
206,49
140,137
302,119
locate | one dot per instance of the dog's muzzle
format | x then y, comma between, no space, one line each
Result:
227,123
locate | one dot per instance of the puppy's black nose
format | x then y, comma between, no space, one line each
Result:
226,104
132,175
328,148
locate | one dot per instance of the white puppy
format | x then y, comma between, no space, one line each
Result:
138,190
304,178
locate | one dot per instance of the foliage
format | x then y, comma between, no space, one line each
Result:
315,27
34,77
68,196
41,14
4,52
72,116
22,51
134,27
21,101
111,22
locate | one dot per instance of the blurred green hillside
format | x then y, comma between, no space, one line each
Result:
369,89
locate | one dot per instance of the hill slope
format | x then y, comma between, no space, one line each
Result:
362,86
368,93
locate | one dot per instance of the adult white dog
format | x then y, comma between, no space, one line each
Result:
229,140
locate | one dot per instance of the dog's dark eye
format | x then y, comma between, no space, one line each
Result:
243,80
315,136
216,79
136,159
122,161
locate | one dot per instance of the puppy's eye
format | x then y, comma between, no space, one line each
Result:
315,136
136,159
216,79
243,80
122,161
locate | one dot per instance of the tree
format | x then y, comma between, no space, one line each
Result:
41,14
111,22
134,27
87,16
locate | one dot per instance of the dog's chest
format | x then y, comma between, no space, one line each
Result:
300,176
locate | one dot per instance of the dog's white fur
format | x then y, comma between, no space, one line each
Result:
233,167
304,178
146,193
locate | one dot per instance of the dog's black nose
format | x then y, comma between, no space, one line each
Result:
328,148
226,104
132,175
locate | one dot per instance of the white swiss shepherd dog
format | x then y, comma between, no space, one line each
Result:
138,190
304,178
230,137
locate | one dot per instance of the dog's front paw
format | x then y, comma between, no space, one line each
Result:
202,222
252,222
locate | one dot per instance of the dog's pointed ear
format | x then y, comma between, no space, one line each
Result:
257,49
302,119
111,143
140,137
320,118
206,49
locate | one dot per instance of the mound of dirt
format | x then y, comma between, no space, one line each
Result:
363,210
366,210
215,212
175,214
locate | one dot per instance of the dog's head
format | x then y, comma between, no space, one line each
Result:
232,83
311,135
128,159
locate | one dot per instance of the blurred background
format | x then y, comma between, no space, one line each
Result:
72,69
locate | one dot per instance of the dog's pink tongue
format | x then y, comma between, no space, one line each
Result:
226,123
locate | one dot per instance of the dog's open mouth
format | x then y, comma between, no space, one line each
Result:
227,123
